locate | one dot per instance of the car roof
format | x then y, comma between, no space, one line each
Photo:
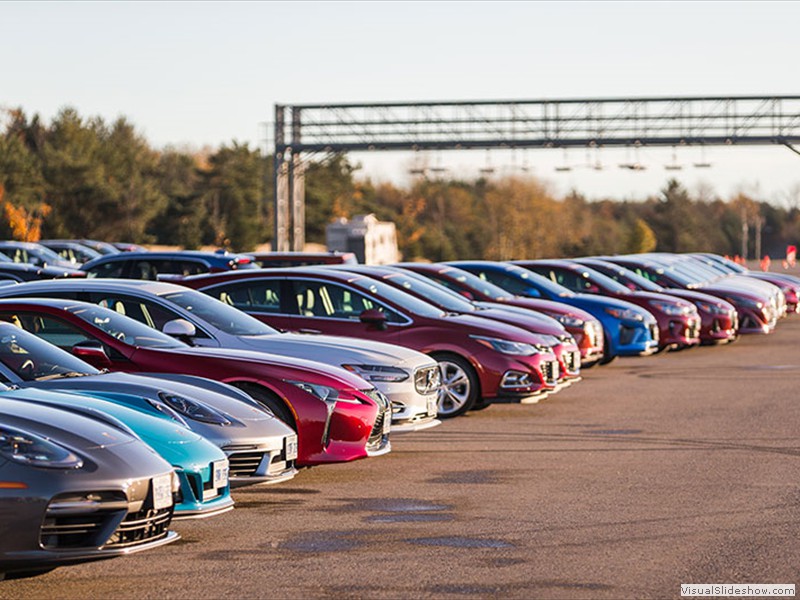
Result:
145,285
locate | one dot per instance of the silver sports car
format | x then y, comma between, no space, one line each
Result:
260,448
75,489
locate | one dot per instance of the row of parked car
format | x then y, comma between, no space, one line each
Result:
141,387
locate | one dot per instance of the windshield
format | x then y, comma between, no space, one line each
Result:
435,294
605,281
550,286
476,284
124,328
402,300
222,316
32,358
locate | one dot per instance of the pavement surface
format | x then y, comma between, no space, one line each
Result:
651,472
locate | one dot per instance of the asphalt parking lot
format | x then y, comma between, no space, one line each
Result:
652,472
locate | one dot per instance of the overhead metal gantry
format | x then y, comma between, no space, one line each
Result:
539,124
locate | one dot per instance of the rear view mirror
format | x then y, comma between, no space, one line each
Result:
93,353
180,329
373,317
532,292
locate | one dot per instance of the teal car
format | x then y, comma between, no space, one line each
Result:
201,466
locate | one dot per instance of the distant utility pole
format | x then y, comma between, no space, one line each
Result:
758,238
744,233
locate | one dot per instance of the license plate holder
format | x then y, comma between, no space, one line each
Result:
433,404
387,422
219,474
162,491
290,447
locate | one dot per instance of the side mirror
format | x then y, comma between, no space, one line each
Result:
180,329
532,292
374,317
93,353
592,289
467,294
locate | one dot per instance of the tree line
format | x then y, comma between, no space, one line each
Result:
82,177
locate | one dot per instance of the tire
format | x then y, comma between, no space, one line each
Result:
460,388
269,400
607,358
480,405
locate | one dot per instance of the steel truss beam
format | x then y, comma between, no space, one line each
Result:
597,123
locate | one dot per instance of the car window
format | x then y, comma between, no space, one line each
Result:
219,314
107,269
30,357
261,296
145,311
51,330
325,299
180,267
569,279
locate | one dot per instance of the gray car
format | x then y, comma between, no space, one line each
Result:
410,379
75,489
259,447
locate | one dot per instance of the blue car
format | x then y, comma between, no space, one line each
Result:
629,329
201,467
152,265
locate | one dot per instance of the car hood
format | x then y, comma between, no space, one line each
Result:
339,350
149,428
47,420
474,325
274,360
139,387
589,302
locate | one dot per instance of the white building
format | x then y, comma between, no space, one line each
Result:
373,242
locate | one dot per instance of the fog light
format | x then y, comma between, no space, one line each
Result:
516,379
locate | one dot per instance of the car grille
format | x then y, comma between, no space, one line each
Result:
144,526
376,436
572,361
244,464
428,379
99,519
550,371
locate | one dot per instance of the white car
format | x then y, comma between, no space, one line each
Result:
410,379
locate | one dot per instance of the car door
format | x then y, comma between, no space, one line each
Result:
310,305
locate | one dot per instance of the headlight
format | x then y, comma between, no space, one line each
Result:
193,409
714,309
29,449
327,394
752,304
378,373
627,314
506,346
669,308
569,321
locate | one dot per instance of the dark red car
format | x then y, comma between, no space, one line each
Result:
678,321
337,415
550,331
480,359
719,323
587,331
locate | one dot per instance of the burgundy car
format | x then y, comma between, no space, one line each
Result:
550,331
480,359
337,415
719,323
587,331
678,321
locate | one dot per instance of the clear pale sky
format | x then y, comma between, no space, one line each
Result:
190,74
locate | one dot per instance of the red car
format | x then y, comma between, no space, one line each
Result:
480,359
718,319
337,415
678,321
587,331
550,331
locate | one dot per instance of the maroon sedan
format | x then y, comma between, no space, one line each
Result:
550,331
480,359
678,321
337,415
587,331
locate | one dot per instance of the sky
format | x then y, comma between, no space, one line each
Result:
194,74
